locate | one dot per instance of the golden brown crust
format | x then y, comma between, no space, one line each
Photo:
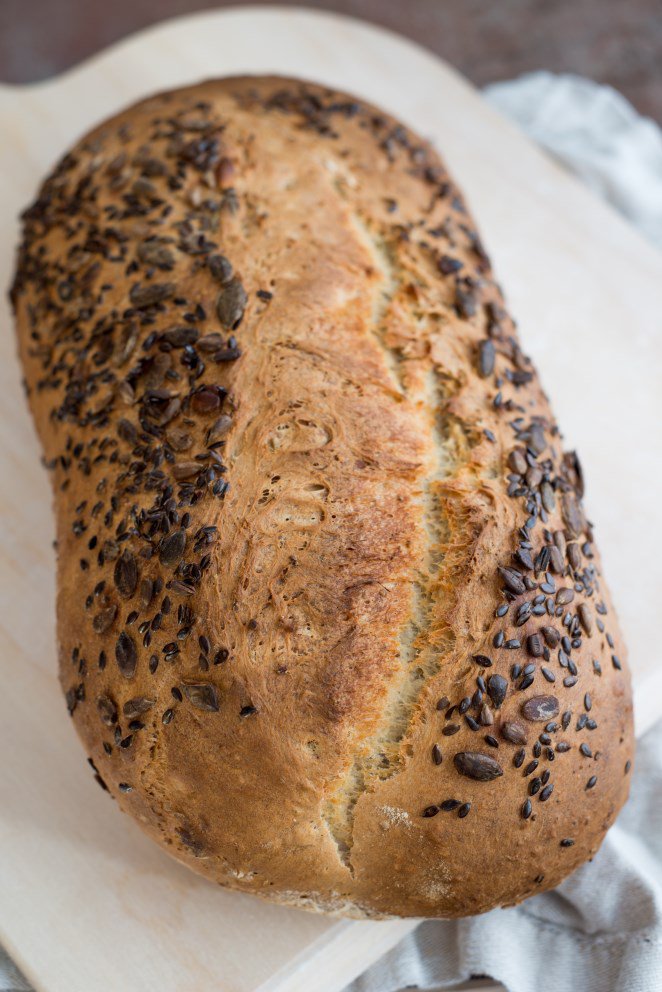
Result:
332,624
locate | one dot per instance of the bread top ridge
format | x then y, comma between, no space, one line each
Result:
332,623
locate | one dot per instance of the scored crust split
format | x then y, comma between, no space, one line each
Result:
332,623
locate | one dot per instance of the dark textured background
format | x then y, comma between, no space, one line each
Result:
613,41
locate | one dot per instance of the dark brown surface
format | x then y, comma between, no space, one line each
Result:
608,40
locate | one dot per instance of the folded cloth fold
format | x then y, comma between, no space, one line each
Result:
11,979
600,931
597,134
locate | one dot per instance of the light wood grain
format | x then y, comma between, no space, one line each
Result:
86,902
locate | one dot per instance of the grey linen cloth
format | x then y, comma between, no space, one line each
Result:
597,134
601,931
11,979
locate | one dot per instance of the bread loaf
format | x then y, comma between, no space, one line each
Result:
332,624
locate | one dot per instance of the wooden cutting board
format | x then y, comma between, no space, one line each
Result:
86,902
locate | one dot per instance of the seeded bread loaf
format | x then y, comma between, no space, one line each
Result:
332,624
